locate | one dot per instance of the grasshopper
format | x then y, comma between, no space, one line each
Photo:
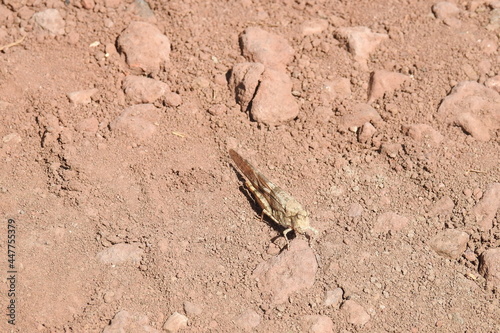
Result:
280,206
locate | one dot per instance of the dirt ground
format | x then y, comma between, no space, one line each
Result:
136,220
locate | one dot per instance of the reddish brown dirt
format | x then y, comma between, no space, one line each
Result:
177,196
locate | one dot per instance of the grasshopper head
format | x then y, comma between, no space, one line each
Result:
302,226
299,217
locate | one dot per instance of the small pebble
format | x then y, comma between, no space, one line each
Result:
175,323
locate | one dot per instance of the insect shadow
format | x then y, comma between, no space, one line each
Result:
255,206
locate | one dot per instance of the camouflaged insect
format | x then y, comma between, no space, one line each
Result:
279,205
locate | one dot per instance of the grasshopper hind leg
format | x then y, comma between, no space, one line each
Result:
266,209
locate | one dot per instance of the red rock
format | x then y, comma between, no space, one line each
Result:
423,133
489,267
470,255
50,20
25,13
217,109
142,9
120,254
112,3
356,314
366,132
173,99
137,121
90,125
12,138
338,88
450,243
175,322
480,104
448,12
313,27
146,49
361,40
488,46
287,273
391,149
333,298
390,221
245,78
273,103
473,126
192,309
382,82
361,114
317,324
248,320
323,114
88,4
73,37
443,206
445,9
493,83
486,209
258,45
144,90
82,96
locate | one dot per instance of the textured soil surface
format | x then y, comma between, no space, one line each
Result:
382,118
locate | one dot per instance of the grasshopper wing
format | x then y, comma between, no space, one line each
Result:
274,195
